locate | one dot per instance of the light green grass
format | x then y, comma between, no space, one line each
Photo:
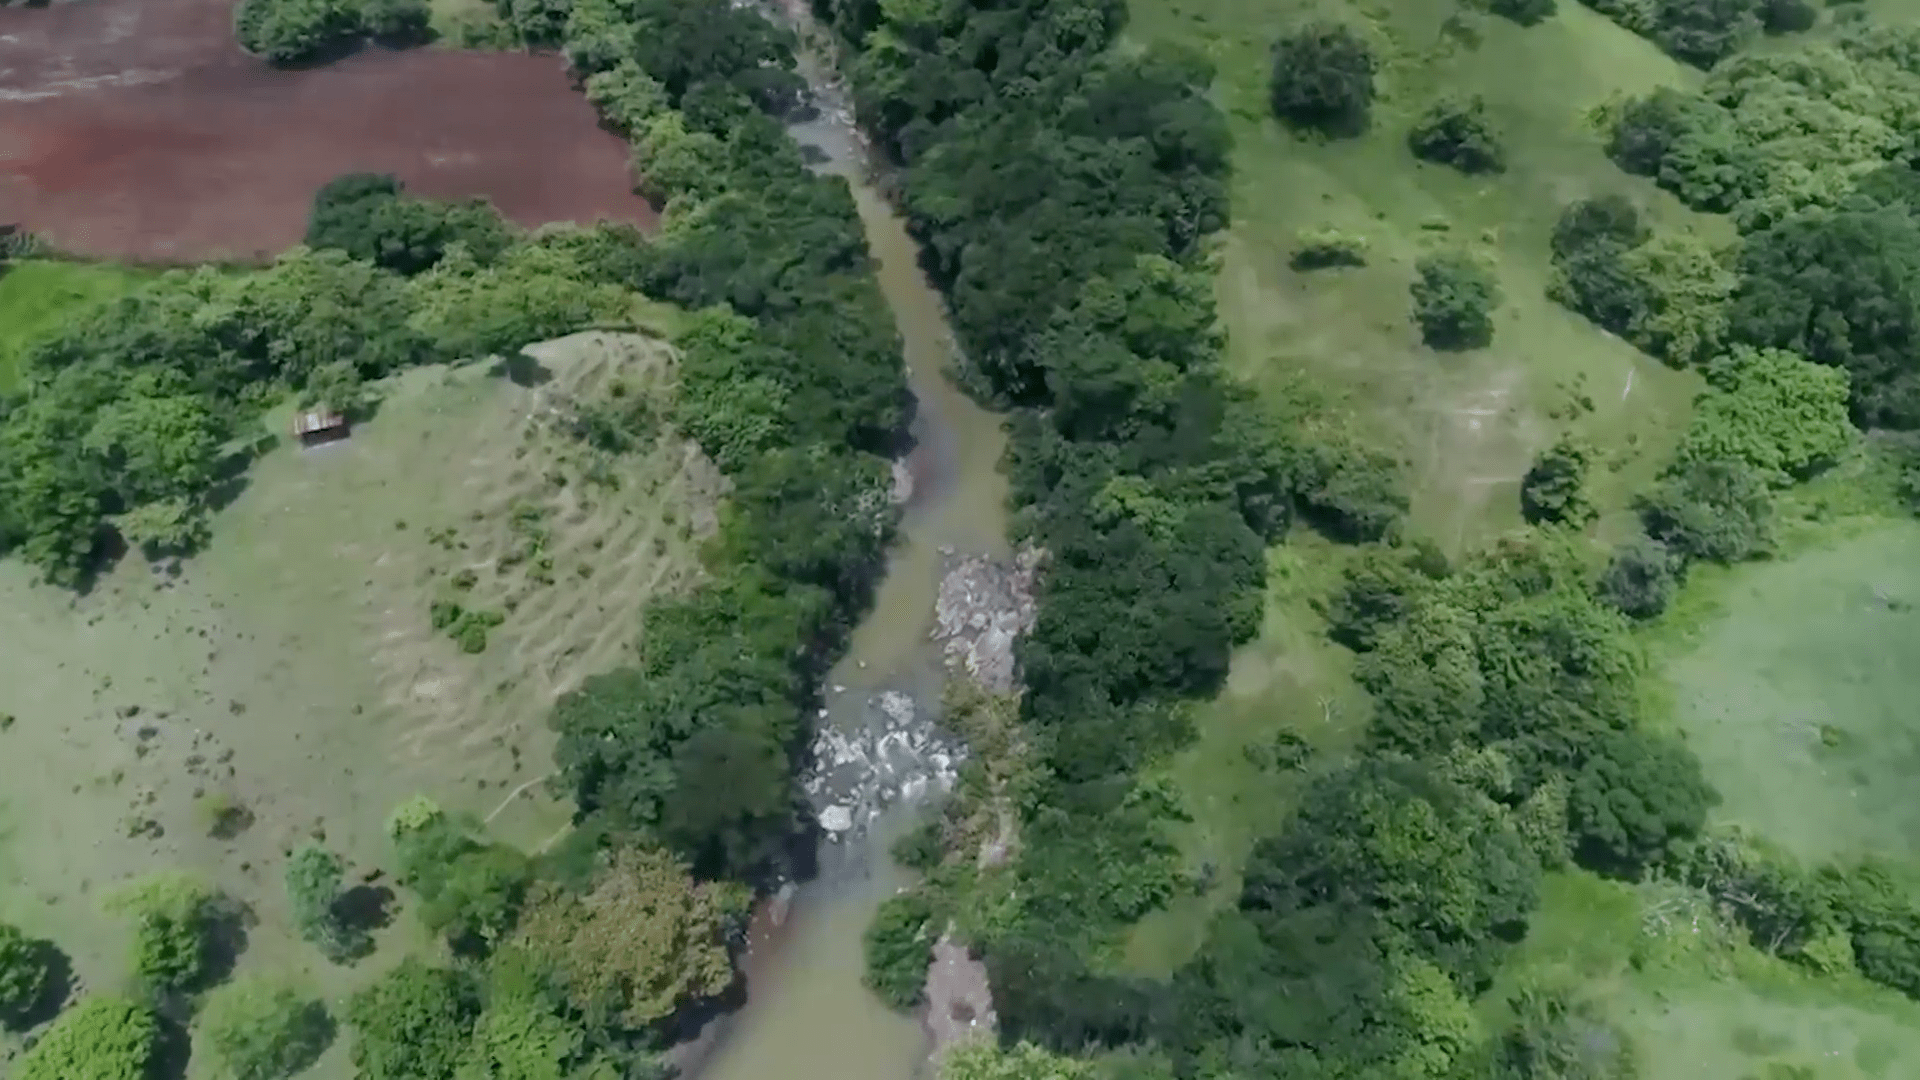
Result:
292,666
1468,425
1798,694
37,296
1697,1002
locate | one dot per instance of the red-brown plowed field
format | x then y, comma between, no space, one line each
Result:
137,129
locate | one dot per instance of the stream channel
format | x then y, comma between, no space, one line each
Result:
879,758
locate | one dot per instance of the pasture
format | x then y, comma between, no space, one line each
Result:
1467,425
1797,692
294,670
1696,1001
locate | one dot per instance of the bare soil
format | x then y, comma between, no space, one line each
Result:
138,129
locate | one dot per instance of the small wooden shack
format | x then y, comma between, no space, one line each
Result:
315,426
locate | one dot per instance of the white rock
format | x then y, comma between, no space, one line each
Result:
836,819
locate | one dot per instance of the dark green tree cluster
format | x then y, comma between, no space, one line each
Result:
289,32
1061,191
131,419
1806,149
790,378
1698,32
26,974
369,216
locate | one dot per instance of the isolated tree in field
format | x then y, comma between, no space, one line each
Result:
1323,78
262,1029
1636,795
102,1038
1555,488
314,877
24,973
1641,578
1456,131
1453,301
173,915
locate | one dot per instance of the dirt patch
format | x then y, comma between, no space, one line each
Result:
137,129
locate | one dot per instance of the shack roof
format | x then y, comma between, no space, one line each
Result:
307,423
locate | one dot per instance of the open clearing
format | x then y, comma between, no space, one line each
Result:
36,296
1468,424
292,666
1798,695
1699,1004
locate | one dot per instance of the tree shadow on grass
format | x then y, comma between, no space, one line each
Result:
53,994
364,909
521,369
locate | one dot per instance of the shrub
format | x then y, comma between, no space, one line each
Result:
899,948
1788,16
1641,578
292,31
261,1029
1375,592
25,974
1525,12
103,1038
313,878
1557,1037
1716,510
396,22
1453,301
1589,221
1317,249
1456,132
173,917
1554,489
1323,78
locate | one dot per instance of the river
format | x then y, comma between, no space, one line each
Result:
807,1015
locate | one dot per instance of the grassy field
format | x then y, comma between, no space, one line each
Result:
1699,1004
1796,689
36,295
1467,425
292,667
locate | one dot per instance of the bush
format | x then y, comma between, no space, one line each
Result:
100,1039
1317,249
396,22
1525,12
1323,78
313,878
1554,489
25,973
293,31
1788,16
1641,578
260,1029
1558,1037
174,917
1375,592
899,949
1453,301
1716,510
1456,132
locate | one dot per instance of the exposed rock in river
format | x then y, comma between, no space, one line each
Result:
984,605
